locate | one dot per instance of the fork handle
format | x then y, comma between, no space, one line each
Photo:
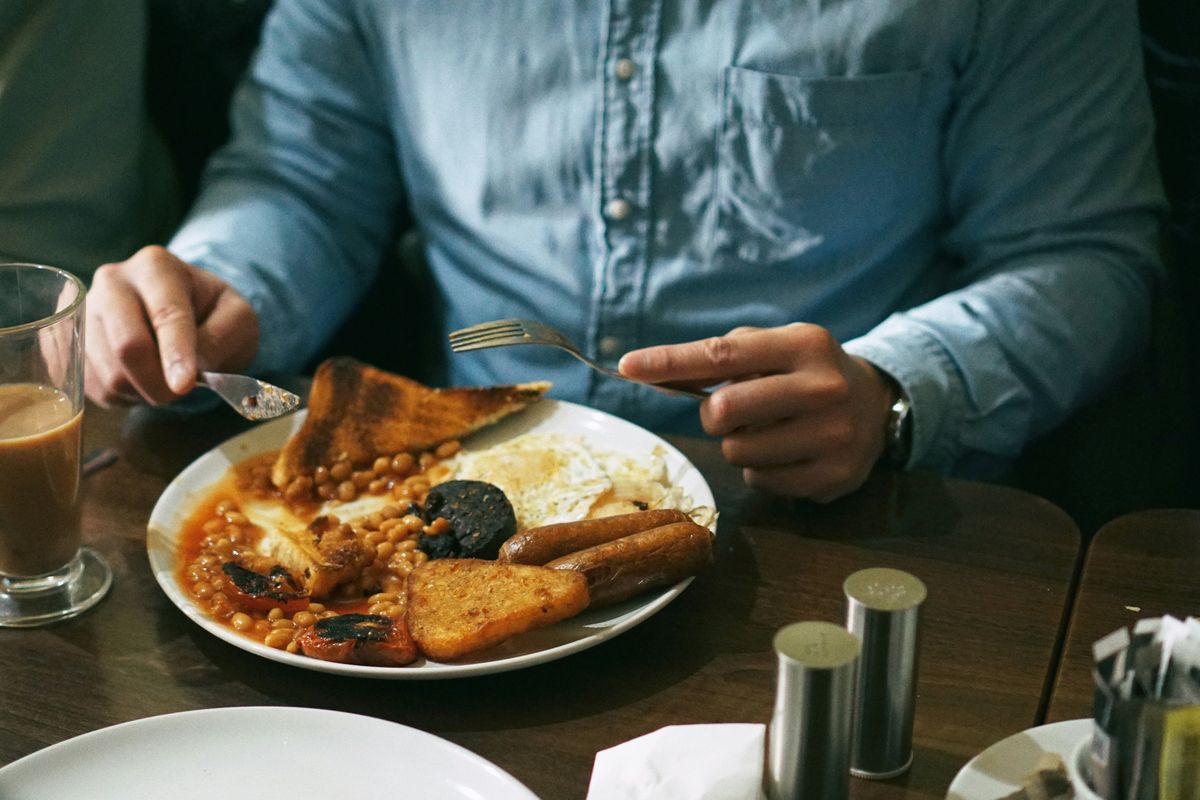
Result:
666,388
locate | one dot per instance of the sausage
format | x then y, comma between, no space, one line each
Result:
624,567
544,544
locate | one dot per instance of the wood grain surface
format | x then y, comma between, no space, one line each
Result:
1144,564
998,564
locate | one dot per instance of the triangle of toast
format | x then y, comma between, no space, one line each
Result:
364,412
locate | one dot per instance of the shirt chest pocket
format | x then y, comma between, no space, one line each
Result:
805,163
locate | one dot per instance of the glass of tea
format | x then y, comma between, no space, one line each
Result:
45,575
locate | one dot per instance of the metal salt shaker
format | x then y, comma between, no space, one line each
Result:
810,726
884,607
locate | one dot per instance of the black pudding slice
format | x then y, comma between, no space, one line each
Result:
480,517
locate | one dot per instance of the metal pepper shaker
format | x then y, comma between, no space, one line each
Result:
810,727
884,607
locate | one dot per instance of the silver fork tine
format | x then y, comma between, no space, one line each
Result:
496,341
486,327
459,336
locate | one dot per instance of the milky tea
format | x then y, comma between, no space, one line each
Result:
40,444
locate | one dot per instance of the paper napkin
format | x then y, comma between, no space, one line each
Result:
683,762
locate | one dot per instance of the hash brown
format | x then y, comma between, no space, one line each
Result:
459,606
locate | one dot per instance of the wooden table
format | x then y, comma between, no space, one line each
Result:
1144,564
998,564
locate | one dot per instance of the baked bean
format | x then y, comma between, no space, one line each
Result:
298,489
321,475
382,465
362,478
420,556
384,550
278,638
293,646
407,545
346,491
326,491
427,460
304,618
262,627
316,608
439,526
447,449
340,471
382,597
213,525
389,524
236,518
412,523
391,512
372,521
375,537
327,614
283,623
241,621
378,486
402,464
275,614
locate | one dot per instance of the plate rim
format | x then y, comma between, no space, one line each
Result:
284,712
1083,723
160,553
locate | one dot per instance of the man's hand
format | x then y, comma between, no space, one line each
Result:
153,320
799,414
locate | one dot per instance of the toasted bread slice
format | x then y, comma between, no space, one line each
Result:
459,606
321,555
365,412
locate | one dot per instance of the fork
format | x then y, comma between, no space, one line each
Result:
250,397
504,332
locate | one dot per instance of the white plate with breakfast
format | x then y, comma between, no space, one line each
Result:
1008,766
249,753
430,533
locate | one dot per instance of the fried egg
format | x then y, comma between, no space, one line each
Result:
547,478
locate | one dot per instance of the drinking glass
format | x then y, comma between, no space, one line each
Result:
44,573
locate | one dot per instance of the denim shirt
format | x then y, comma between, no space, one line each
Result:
962,191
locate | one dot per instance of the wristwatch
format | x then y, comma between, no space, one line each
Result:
898,431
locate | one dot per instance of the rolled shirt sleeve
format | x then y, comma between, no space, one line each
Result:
1053,202
296,211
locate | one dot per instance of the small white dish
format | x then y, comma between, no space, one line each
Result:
1000,770
250,753
1079,770
606,432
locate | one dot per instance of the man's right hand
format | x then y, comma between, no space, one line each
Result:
153,320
